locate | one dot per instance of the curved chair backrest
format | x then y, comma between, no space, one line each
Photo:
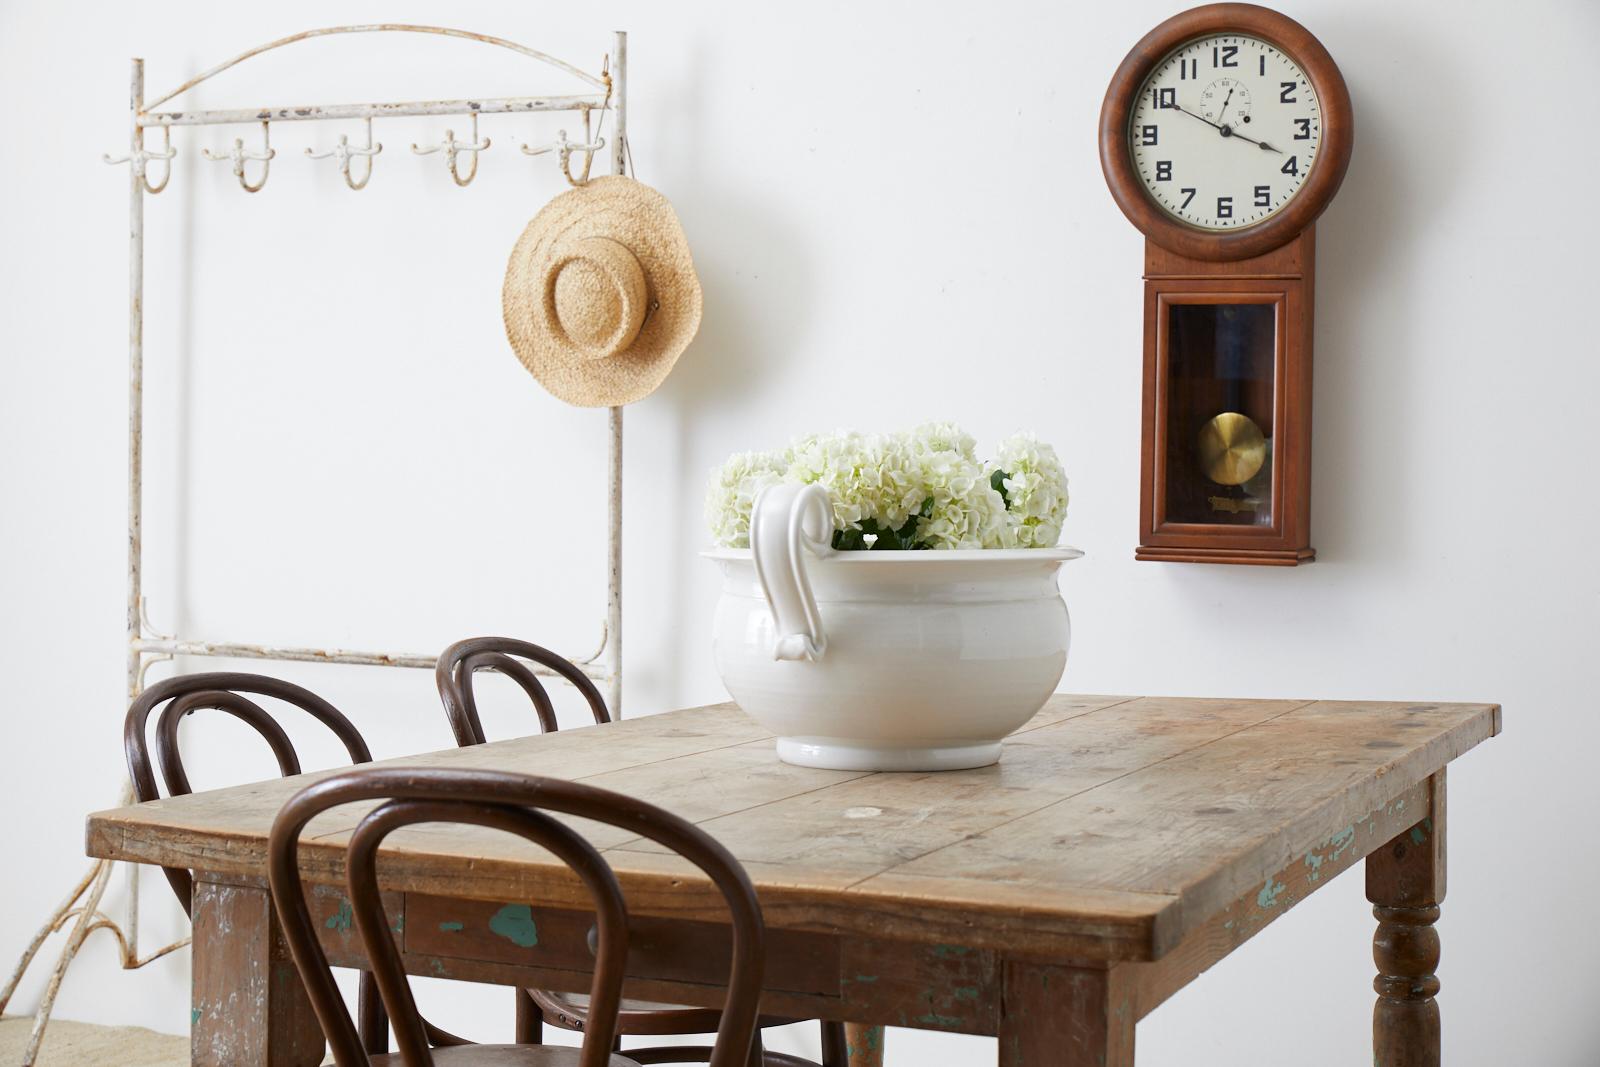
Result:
460,661
221,690
518,804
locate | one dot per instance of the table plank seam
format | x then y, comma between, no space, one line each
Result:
1028,727
1081,792
622,846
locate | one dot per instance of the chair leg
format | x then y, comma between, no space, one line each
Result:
863,1045
835,1050
374,1024
757,1051
530,1020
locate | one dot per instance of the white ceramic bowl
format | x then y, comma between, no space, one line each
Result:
903,661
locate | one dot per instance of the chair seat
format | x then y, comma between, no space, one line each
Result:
638,1018
501,1056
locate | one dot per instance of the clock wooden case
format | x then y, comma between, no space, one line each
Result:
1224,135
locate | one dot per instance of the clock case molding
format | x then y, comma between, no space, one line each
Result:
1272,262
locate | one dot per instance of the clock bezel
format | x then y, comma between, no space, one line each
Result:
1313,197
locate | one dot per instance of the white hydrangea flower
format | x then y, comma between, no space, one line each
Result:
732,495
867,476
1035,487
944,437
964,511
927,483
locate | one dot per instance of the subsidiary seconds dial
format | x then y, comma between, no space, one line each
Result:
1224,132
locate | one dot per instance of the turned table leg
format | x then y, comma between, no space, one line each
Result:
1405,883
248,1007
1065,1017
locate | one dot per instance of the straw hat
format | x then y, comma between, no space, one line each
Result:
600,296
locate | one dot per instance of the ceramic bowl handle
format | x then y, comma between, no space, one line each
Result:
787,519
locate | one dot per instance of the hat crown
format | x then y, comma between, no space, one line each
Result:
596,295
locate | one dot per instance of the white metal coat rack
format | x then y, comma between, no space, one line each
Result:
251,164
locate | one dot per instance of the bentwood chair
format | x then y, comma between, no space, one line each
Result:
505,655
225,692
518,804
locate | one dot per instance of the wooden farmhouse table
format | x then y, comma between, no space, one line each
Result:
1120,847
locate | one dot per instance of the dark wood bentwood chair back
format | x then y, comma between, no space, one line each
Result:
518,804
459,662
222,691
536,1007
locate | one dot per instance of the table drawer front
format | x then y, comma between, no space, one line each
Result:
672,949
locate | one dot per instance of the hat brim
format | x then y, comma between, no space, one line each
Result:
634,215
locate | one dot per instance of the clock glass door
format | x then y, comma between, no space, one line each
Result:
1220,361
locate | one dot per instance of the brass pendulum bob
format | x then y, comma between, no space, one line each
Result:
1231,450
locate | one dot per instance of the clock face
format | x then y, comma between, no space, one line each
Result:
1224,132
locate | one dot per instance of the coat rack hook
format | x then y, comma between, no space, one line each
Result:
452,147
140,159
239,155
344,151
565,148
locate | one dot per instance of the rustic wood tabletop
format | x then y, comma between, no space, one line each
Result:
1121,846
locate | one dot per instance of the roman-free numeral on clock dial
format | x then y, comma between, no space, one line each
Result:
1228,133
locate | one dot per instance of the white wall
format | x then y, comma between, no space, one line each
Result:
897,214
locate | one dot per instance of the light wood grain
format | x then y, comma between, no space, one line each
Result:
1112,829
1215,820
248,1005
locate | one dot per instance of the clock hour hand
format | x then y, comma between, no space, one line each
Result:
1227,131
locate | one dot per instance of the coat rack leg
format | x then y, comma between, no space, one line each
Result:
88,920
89,917
134,619
619,148
614,566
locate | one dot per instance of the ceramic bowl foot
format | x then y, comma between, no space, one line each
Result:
838,755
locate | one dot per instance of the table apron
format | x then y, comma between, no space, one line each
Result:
808,975
942,987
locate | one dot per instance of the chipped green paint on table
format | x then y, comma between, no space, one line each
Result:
1120,848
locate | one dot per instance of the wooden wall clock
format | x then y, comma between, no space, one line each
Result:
1224,135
